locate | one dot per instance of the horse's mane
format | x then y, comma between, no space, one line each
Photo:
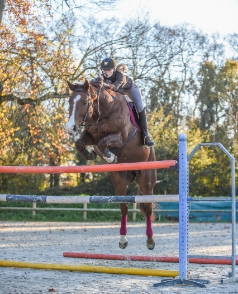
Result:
93,85
97,82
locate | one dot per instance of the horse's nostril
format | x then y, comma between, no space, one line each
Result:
74,129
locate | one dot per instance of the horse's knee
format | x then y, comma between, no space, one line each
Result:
102,146
87,151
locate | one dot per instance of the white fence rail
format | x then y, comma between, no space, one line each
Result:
86,209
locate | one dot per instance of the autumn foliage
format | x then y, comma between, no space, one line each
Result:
187,83
34,67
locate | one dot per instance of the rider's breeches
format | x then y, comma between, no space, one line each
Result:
135,95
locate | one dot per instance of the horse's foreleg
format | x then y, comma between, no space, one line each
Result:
84,146
110,141
123,230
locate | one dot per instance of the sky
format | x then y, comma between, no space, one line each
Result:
210,16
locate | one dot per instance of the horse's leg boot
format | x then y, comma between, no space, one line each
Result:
147,141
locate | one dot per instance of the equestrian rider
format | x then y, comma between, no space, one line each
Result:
116,80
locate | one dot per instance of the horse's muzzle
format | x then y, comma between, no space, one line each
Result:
71,130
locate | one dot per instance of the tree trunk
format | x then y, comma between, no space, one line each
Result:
2,6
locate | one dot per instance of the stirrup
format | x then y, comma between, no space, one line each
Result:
148,142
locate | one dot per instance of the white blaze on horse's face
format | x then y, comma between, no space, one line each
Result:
71,123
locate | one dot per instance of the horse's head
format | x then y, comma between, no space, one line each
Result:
80,105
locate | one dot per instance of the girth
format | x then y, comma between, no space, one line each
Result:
117,151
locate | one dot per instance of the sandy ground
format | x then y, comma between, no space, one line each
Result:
45,243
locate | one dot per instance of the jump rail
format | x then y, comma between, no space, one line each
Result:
88,199
90,268
172,259
88,168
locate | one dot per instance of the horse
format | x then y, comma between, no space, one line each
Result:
110,134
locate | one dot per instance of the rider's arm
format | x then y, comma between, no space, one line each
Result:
120,81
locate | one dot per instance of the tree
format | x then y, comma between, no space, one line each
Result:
35,63
73,6
232,40
48,54
79,6
228,81
207,101
2,6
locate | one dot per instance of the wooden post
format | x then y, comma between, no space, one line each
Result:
85,205
33,211
134,213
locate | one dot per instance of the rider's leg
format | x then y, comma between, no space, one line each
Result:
143,123
135,95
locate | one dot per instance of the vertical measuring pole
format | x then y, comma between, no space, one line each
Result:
183,218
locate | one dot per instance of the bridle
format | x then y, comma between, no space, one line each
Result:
89,104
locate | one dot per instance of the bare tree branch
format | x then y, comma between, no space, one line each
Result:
2,6
23,101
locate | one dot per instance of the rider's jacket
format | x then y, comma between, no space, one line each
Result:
119,80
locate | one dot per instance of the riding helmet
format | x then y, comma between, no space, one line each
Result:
108,63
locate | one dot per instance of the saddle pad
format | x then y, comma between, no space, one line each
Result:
133,115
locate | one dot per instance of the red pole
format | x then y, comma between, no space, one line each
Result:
146,258
88,168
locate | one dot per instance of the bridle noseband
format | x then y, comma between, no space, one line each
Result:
89,104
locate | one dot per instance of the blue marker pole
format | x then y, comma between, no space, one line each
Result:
183,195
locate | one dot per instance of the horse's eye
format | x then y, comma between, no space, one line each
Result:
84,102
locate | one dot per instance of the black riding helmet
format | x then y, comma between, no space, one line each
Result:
108,63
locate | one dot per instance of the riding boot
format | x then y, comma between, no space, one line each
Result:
147,141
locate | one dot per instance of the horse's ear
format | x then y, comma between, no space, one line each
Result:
71,86
86,85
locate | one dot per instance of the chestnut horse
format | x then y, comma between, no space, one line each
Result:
109,133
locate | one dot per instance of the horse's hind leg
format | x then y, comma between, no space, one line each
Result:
120,181
123,230
147,211
147,181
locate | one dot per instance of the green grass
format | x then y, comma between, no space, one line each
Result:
63,216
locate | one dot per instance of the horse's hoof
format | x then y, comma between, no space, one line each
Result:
123,245
92,156
150,246
110,157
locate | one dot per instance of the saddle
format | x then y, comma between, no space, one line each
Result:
134,116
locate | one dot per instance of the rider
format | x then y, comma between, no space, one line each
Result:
116,80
